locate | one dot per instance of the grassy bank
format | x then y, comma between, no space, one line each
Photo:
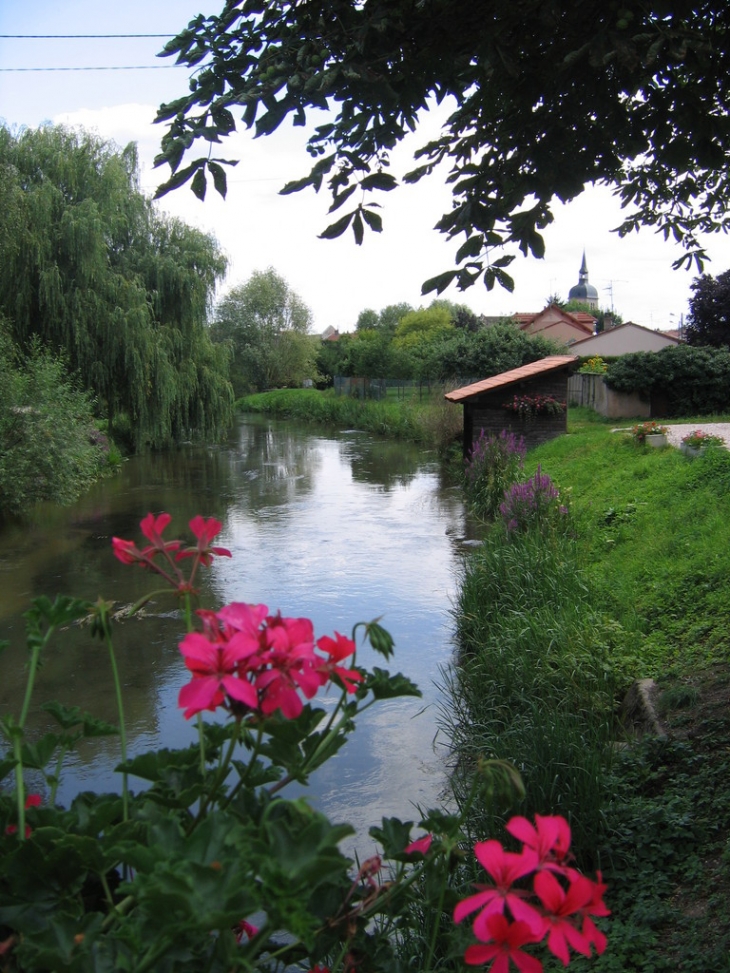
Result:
551,631
432,422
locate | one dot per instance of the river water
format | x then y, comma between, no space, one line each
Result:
339,527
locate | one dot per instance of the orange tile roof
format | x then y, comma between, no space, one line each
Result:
549,364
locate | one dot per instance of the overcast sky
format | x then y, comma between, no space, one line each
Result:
257,228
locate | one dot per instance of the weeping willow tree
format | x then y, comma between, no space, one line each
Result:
89,267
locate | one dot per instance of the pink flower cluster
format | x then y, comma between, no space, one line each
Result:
243,655
158,554
559,904
261,661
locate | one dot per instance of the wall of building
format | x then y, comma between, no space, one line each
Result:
623,340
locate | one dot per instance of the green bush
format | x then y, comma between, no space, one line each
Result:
695,381
50,448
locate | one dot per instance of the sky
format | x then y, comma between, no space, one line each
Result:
258,228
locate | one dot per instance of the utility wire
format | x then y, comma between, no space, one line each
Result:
129,67
76,36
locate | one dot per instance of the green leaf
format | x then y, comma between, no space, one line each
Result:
358,229
199,184
7,765
341,198
337,228
393,835
219,178
70,716
384,686
471,248
438,283
373,220
62,611
379,180
37,755
179,178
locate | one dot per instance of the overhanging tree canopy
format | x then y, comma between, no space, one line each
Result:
548,96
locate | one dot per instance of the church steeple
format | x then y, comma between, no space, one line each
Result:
583,291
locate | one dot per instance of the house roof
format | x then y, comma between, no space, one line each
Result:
582,319
541,367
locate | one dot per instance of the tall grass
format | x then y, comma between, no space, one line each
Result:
534,683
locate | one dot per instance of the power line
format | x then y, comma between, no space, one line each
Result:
54,37
129,67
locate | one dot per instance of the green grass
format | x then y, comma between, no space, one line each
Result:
551,631
653,534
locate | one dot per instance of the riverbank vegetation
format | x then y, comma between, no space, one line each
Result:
421,416
51,446
552,627
92,271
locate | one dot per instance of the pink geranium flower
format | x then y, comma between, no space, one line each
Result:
560,905
420,846
205,531
292,665
339,648
505,868
505,940
549,838
214,658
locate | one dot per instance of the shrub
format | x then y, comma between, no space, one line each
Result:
50,448
493,465
696,381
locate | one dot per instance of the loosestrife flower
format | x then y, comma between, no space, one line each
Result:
559,906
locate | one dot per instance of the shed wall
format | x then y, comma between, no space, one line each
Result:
487,412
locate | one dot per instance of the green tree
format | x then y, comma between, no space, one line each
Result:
419,328
88,267
471,356
708,322
545,98
265,325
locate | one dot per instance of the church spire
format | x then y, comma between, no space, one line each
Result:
583,291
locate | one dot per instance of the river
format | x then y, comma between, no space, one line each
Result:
340,527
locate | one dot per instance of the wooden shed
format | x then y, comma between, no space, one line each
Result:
530,401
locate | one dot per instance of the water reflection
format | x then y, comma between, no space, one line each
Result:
341,528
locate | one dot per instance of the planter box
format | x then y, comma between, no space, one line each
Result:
692,452
657,439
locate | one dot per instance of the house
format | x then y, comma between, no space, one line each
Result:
529,401
330,334
623,340
563,327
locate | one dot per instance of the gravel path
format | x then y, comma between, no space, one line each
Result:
681,429
676,433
